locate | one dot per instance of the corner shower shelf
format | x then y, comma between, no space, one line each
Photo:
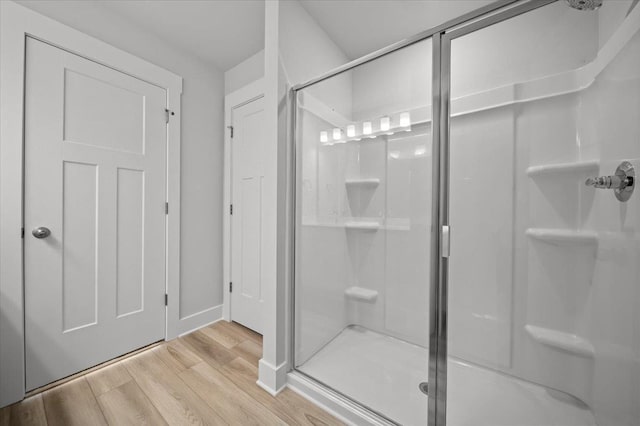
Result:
361,294
574,167
364,183
563,236
560,340
362,225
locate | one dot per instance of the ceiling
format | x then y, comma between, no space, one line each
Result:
359,27
223,33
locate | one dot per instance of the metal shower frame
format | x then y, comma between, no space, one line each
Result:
441,36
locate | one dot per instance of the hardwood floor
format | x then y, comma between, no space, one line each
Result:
207,377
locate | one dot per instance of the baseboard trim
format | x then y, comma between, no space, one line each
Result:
268,389
271,378
198,320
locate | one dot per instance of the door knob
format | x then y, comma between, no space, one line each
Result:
41,232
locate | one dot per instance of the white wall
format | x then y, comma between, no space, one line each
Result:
202,150
247,71
306,51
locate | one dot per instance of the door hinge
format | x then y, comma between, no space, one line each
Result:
230,287
166,208
166,299
230,131
167,113
230,208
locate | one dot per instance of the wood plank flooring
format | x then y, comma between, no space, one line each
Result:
207,377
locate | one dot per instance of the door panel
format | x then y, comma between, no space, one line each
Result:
95,161
246,222
84,119
79,251
130,249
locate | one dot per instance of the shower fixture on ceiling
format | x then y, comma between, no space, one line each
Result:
585,4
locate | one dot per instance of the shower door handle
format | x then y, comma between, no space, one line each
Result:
445,246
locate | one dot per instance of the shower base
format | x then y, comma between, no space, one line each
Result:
384,373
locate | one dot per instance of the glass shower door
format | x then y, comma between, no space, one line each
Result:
363,226
543,277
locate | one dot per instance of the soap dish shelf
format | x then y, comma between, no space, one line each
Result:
362,183
567,342
362,225
361,294
563,236
585,167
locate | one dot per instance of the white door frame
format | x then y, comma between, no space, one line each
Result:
248,93
16,23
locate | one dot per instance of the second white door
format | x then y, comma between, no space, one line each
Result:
95,162
247,192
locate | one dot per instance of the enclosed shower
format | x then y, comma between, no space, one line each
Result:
467,237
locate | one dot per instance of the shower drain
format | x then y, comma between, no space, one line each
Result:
424,388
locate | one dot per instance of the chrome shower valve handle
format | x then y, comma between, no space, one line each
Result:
609,182
623,182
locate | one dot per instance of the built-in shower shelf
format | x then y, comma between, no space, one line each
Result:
361,294
564,168
362,225
563,236
560,340
362,183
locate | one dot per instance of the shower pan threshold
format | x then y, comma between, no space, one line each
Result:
384,373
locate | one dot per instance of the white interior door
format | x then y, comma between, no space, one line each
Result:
247,170
95,161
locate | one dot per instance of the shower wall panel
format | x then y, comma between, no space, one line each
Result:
553,278
402,201
556,36
611,111
495,138
574,302
396,83
482,253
